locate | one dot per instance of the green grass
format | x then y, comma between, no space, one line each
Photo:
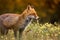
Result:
36,31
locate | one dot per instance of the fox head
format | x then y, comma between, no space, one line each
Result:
30,13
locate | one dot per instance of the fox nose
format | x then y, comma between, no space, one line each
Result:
37,18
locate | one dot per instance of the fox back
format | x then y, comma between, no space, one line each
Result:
18,19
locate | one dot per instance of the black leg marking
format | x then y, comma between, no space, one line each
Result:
15,33
20,32
4,31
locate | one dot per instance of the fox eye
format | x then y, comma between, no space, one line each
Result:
30,14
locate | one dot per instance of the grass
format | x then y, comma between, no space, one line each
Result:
36,31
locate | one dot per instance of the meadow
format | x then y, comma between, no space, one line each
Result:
36,31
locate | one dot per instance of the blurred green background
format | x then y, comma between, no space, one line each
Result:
43,7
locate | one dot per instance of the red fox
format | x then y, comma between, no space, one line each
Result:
17,22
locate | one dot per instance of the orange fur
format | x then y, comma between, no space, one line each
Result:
16,21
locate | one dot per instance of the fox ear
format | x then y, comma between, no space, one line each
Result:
29,7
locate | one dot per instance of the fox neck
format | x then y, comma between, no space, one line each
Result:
24,22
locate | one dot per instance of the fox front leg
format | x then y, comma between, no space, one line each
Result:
20,33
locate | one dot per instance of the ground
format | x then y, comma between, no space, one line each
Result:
36,31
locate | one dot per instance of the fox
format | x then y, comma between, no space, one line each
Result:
17,22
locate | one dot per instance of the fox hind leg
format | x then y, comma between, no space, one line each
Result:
4,31
15,34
